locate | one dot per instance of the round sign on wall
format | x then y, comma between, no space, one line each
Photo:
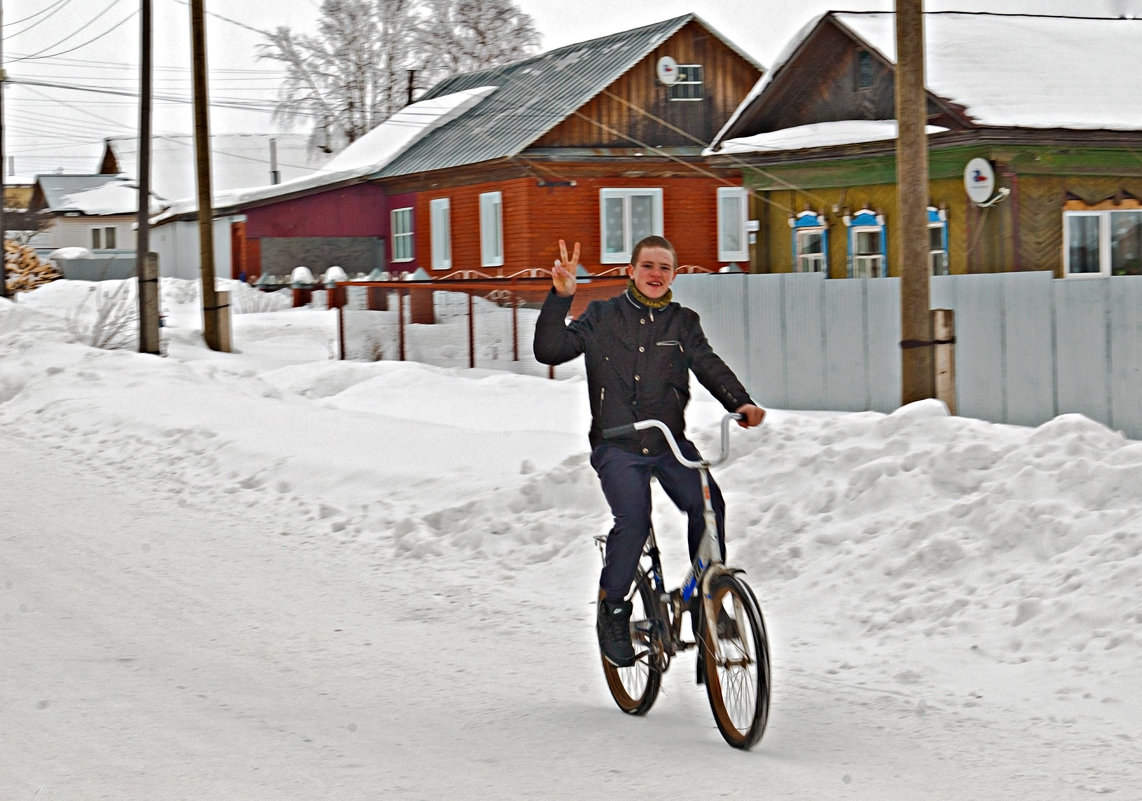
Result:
667,70
979,180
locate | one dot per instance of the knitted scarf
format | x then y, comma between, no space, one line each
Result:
650,303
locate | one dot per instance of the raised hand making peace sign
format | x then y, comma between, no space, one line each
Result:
563,273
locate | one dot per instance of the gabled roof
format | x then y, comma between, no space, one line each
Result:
533,96
236,160
88,194
475,117
358,162
1005,70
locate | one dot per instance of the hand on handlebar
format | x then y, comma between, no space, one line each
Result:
750,415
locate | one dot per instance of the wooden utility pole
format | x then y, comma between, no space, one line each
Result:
4,293
215,308
917,370
146,265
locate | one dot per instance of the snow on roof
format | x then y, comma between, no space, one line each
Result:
819,134
364,157
1026,71
93,194
1009,70
236,160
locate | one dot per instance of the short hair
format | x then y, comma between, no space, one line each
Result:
653,241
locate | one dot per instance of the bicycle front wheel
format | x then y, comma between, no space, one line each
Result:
635,688
736,657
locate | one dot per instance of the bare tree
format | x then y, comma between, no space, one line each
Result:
354,73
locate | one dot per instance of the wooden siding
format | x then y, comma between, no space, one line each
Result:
348,211
65,232
822,83
1021,232
537,214
636,111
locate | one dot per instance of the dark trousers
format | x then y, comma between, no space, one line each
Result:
625,477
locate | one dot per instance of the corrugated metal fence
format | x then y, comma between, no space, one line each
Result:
1028,346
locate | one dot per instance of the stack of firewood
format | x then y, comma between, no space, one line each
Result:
25,270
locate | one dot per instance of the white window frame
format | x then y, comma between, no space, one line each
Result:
938,261
628,237
689,76
440,227
1105,239
492,229
867,265
815,261
727,218
401,234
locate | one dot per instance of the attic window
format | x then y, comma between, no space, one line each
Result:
864,76
689,83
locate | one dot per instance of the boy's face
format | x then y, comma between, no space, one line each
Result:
652,272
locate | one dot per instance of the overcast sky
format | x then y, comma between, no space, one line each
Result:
95,44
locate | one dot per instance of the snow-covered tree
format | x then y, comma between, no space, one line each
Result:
352,75
367,57
465,35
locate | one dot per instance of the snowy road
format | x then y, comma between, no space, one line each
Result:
269,575
157,649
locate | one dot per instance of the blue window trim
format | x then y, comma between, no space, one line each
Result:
940,217
811,219
867,218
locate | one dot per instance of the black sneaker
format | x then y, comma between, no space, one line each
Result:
613,627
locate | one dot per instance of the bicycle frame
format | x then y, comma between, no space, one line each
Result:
709,562
729,630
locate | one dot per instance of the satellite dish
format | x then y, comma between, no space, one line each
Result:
667,70
979,180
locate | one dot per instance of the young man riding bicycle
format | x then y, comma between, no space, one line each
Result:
639,349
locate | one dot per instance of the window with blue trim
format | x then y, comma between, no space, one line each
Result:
868,244
938,240
810,243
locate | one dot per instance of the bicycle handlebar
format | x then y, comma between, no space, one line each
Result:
617,431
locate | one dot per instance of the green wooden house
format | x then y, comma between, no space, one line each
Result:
1034,140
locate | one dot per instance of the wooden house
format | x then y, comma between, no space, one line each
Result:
95,212
1035,124
600,141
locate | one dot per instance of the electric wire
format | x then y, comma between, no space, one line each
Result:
40,54
50,11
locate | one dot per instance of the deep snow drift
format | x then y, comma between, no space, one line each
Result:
272,575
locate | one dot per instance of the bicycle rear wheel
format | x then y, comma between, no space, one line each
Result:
635,688
736,657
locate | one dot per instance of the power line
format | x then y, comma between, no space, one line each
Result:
40,54
50,11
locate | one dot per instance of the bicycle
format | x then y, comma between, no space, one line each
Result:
733,659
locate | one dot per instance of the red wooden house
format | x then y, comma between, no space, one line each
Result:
600,141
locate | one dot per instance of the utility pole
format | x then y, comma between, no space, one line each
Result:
146,264
215,305
4,293
917,370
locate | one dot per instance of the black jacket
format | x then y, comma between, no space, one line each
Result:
638,364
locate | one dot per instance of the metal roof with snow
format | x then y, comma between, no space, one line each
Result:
533,96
